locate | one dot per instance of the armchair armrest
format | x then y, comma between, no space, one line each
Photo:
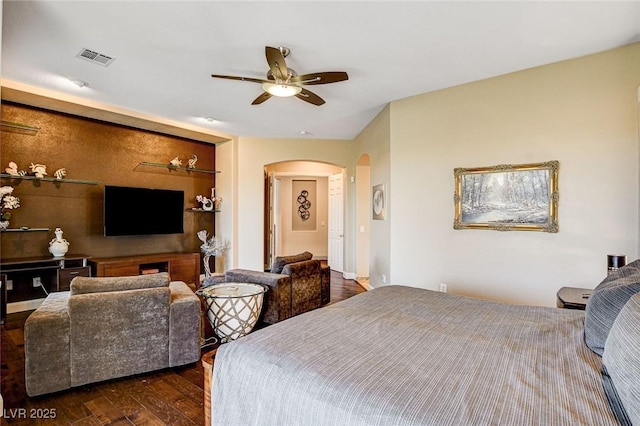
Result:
277,306
46,346
184,325
306,285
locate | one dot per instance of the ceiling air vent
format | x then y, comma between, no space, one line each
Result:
95,57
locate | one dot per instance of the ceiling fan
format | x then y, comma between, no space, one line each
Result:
282,81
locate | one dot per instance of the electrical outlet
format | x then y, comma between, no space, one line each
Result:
9,284
37,282
443,287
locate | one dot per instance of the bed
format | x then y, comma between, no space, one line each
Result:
400,355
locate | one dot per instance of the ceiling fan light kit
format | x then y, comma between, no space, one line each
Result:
281,90
284,82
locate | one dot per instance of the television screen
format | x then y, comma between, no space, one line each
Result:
142,211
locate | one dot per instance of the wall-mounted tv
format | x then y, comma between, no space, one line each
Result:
142,211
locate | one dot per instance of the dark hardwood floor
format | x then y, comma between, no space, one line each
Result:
167,397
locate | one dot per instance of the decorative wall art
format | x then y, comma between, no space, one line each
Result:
379,202
304,205
521,197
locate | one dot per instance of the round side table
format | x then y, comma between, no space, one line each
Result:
233,309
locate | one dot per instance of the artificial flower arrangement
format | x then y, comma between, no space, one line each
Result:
210,247
7,202
209,204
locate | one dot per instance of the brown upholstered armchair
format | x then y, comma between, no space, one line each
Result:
297,284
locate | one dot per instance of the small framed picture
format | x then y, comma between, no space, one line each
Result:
379,202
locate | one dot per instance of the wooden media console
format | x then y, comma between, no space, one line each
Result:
180,266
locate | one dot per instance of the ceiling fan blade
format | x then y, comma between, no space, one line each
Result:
310,97
320,77
231,77
276,63
260,99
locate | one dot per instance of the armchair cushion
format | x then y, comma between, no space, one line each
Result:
85,285
129,326
281,261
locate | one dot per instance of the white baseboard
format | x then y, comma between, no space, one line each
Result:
349,275
25,305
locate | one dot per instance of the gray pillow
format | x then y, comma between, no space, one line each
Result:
281,261
622,357
605,303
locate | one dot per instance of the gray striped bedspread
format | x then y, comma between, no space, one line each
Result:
406,356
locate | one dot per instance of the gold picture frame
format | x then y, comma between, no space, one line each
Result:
522,197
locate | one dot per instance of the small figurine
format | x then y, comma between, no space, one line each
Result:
58,247
40,170
12,169
207,203
60,173
176,162
191,164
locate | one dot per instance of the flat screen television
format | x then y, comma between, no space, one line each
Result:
142,211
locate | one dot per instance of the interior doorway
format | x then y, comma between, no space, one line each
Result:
298,214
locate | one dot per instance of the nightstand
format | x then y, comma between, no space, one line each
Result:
208,360
573,297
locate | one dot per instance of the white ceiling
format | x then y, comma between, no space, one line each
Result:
166,51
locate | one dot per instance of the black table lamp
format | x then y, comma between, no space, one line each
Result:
615,261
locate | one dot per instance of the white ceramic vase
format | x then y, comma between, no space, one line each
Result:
58,247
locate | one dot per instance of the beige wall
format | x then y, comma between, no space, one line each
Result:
581,112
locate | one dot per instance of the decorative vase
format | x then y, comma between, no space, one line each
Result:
58,247
4,225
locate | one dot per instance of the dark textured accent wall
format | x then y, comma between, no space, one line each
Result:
103,152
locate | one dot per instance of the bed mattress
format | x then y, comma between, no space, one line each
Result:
400,355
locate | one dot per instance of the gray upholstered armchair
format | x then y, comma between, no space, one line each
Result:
105,328
296,284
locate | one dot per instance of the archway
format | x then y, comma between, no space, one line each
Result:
286,230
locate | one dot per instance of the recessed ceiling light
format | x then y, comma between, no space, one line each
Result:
304,133
79,83
210,119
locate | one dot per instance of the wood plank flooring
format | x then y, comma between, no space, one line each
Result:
166,397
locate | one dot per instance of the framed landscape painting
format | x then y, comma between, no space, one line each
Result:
521,197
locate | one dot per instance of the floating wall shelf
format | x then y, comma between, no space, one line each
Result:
46,179
196,210
25,229
171,168
24,129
